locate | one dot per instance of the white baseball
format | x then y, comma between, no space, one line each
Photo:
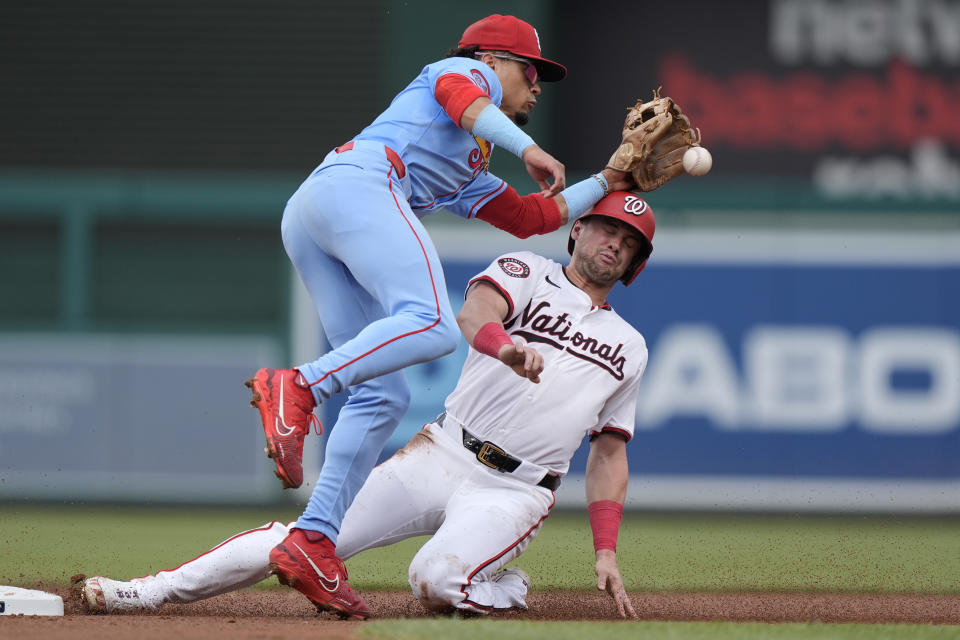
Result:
697,161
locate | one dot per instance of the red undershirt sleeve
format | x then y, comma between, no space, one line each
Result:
455,93
522,216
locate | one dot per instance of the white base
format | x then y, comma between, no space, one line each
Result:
29,602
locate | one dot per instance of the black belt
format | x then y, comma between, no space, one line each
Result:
496,458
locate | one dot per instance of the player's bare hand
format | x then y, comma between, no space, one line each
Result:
525,362
608,579
619,180
541,166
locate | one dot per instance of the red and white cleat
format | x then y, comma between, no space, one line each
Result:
313,569
286,411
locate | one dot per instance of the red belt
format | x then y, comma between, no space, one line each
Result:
391,156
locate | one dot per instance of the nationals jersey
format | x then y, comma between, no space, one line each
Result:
447,166
592,364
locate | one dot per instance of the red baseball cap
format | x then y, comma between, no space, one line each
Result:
507,33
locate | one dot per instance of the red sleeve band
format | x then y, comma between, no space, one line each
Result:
522,216
490,338
455,93
605,517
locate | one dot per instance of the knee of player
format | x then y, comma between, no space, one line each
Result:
447,335
433,583
439,333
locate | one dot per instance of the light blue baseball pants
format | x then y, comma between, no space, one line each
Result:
378,287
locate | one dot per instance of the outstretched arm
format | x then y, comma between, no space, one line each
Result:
607,473
524,216
481,322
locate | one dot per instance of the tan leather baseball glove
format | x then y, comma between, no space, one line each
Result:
656,134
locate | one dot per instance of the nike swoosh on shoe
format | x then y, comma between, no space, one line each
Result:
280,420
321,576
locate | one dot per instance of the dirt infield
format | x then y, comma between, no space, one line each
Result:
283,614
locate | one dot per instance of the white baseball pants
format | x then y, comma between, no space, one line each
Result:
480,520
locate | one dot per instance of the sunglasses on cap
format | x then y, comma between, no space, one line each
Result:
530,71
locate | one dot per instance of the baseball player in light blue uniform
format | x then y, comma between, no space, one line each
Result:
352,231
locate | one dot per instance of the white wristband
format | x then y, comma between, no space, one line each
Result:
493,125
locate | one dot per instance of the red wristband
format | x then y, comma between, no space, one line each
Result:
490,338
605,517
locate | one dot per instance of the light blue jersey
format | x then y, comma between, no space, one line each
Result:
448,167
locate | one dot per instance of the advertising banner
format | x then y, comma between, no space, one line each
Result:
134,418
853,100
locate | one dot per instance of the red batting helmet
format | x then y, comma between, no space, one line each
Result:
633,210
507,33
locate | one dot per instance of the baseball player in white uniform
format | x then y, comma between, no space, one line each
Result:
480,478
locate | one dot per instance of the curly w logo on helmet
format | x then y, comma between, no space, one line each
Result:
634,205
